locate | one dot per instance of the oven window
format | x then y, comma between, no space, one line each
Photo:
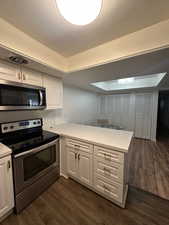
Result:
37,162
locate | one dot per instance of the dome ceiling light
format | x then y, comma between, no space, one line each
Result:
79,12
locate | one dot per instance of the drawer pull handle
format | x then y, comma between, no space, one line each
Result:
107,170
107,156
106,188
78,156
77,146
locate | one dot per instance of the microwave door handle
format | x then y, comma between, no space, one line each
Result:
38,149
41,97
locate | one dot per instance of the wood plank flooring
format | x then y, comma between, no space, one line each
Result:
149,166
69,203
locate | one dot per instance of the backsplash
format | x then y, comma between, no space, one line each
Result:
50,117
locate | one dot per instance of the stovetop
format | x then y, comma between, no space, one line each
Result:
27,141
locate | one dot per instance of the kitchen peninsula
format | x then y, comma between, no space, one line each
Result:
97,158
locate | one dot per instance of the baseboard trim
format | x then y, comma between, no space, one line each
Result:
6,215
63,175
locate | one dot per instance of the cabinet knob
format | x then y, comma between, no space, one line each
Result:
78,156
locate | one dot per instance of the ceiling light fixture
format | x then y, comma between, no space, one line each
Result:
79,12
147,81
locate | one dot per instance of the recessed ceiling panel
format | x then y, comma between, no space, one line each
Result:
42,21
147,81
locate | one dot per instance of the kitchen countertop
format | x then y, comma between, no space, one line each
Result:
115,139
4,150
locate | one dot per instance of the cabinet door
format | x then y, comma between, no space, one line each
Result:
85,167
10,72
31,77
6,186
54,92
72,162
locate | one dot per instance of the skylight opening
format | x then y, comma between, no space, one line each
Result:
147,81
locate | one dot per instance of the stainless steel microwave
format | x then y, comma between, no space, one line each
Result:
18,96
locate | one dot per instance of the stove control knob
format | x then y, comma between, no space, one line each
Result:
11,127
5,128
34,123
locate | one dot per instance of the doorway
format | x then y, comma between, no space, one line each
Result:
163,117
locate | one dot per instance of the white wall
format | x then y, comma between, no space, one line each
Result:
78,106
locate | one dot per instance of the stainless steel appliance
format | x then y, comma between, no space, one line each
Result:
18,96
35,155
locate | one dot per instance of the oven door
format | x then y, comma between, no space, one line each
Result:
33,164
17,96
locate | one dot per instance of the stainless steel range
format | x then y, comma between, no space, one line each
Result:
35,155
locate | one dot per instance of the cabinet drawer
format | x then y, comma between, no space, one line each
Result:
108,155
78,145
112,191
112,173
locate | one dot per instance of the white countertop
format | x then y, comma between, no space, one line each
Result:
114,139
4,150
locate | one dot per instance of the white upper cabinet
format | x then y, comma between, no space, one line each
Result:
10,72
31,77
54,92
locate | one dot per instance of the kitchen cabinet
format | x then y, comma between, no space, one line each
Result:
72,162
16,73
10,72
103,170
6,186
85,167
54,91
80,161
109,173
31,77
53,85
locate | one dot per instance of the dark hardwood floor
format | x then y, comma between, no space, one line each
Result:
149,166
69,203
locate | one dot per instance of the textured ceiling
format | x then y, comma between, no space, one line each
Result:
41,20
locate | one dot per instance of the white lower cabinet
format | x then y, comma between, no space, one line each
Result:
72,162
85,169
6,186
101,169
111,190
80,162
80,165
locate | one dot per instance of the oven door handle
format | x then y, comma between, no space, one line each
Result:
38,149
